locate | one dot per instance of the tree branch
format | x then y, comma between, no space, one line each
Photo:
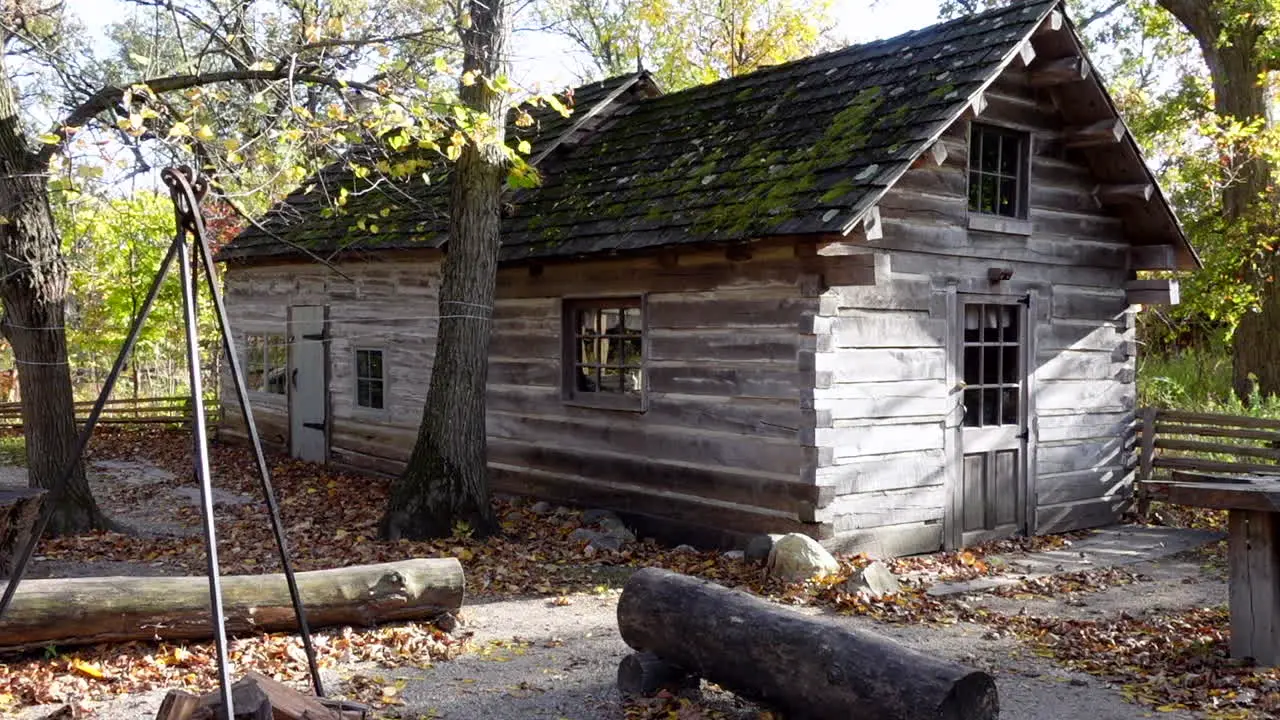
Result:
106,98
1101,14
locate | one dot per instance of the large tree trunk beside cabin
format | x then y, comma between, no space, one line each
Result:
33,287
1230,49
445,481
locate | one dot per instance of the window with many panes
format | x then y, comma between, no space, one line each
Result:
604,352
266,362
371,379
997,171
992,364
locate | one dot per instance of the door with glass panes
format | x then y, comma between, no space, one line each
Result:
992,365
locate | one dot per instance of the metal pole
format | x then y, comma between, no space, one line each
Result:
82,441
242,395
202,473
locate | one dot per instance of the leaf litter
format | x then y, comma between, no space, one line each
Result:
1168,661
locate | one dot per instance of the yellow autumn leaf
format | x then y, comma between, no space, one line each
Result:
92,670
180,129
204,132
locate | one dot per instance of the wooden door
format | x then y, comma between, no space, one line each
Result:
992,362
308,398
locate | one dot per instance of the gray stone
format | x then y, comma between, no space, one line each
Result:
613,527
797,557
759,547
606,542
876,580
542,507
735,555
595,515
685,549
585,535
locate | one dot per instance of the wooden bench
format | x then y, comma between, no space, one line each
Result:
1253,536
19,509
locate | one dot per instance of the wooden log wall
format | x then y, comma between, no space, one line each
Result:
717,445
886,395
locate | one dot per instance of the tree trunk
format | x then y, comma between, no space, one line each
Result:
1229,45
808,667
445,481
33,287
116,609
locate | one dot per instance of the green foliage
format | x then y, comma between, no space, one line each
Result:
1197,380
691,42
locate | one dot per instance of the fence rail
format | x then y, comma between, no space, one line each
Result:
122,411
1205,442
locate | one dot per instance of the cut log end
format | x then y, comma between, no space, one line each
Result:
644,674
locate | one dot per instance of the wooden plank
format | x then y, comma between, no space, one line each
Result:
715,346
903,292
1253,553
1084,425
712,482
1083,456
884,365
1027,53
1099,335
1078,365
854,401
748,381
1162,291
1061,488
685,311
1073,303
1147,456
888,329
1200,446
1053,397
1170,428
885,472
1215,466
1153,257
889,541
1099,134
1085,514
1053,22
1219,495
1124,195
868,510
1058,72
1043,246
1218,419
857,440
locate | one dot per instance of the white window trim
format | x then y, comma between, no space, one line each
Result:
355,381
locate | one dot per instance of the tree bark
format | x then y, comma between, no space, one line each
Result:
116,609
33,288
445,481
1229,44
18,512
808,667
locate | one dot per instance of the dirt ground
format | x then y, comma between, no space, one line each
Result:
534,658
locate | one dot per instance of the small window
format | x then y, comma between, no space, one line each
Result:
997,171
604,352
992,364
267,363
371,380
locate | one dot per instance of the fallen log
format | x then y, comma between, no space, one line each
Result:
257,697
82,611
808,667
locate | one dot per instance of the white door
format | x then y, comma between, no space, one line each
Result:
992,364
308,399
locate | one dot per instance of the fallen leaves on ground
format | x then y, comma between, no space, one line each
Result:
104,671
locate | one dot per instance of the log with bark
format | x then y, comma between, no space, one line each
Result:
808,667
258,697
19,508
79,611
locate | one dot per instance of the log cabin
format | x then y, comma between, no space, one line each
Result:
883,296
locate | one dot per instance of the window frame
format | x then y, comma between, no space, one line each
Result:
569,394
1023,358
268,338
356,378
1019,222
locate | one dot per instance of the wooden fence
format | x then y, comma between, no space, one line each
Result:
124,411
1206,442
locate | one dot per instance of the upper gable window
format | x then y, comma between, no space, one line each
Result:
997,171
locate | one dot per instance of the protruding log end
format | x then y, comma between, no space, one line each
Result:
645,674
973,697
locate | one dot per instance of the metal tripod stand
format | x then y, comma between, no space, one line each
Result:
187,190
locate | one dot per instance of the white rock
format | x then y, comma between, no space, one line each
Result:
798,557
876,580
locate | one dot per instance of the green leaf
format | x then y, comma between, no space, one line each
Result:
49,139
524,147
